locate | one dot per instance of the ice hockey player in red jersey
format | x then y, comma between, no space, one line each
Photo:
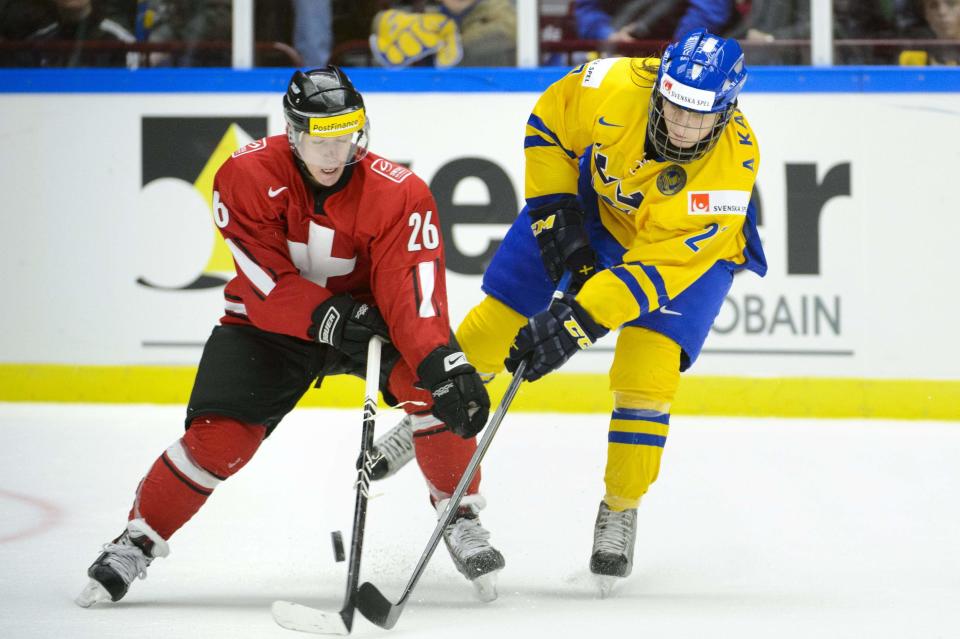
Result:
332,245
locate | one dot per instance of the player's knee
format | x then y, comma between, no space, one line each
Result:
486,333
646,370
221,445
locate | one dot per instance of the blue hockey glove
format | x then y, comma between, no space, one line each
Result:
563,241
460,399
551,337
347,325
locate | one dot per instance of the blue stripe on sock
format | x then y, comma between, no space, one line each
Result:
640,439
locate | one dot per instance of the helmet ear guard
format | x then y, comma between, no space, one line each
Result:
700,73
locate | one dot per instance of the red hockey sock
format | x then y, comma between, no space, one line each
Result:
443,457
180,481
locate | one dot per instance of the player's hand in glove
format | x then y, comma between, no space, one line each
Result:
564,244
460,399
347,325
552,336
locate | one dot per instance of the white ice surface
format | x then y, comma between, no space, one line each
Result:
756,528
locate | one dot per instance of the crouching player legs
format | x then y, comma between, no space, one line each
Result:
247,381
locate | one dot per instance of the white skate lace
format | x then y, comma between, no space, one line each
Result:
397,443
468,537
614,532
128,561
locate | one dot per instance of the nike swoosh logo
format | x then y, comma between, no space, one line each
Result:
452,361
605,123
665,311
271,192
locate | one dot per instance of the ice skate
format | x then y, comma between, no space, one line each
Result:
122,561
393,449
469,546
614,537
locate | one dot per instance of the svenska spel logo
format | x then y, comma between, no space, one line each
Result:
699,202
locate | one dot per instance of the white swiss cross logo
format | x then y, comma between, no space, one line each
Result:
315,259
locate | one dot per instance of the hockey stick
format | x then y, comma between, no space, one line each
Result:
297,617
370,601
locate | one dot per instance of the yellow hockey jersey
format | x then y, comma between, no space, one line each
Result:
675,221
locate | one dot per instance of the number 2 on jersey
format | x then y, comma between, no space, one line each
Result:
425,234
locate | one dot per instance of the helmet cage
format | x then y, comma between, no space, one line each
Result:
660,137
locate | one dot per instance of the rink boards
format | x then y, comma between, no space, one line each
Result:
114,270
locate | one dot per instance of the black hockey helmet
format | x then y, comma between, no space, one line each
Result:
321,105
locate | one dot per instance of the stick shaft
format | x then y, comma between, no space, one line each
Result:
465,480
372,387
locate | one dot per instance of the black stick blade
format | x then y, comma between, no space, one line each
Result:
377,608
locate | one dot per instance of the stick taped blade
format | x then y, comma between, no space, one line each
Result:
375,607
293,616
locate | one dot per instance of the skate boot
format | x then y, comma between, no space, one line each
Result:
122,561
469,546
614,537
393,449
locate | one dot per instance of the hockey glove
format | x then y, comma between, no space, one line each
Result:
460,399
564,245
552,336
347,325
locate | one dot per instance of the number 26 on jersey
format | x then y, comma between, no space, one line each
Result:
424,233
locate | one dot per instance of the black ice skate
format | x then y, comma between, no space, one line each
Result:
122,561
469,546
614,537
393,449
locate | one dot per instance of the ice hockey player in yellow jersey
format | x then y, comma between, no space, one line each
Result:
639,176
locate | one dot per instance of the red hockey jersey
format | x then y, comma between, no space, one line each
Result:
375,235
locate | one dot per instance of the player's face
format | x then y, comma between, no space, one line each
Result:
325,157
686,128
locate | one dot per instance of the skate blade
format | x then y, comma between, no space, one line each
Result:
606,584
485,586
92,593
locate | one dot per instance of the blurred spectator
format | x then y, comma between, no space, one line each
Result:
648,19
313,31
943,16
858,20
929,19
457,32
77,24
20,18
192,23
771,20
488,31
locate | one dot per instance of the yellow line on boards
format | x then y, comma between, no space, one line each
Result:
560,392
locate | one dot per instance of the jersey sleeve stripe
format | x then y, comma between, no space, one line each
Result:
426,272
633,285
257,276
536,140
538,124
